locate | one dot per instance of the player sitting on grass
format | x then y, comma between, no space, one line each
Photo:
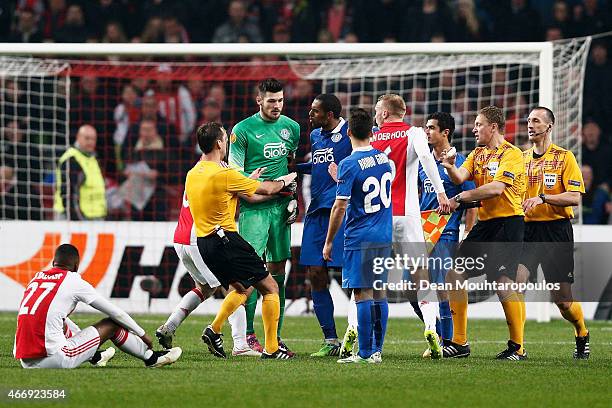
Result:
364,182
41,340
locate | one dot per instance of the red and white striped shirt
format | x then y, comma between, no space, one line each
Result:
405,145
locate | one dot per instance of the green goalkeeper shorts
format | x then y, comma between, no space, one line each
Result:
267,231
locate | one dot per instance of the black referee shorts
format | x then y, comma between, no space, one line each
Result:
235,261
551,245
496,244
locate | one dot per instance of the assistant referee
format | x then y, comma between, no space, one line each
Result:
213,191
497,169
554,185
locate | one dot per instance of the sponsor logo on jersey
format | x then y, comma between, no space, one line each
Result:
258,136
285,134
274,150
428,186
550,179
335,137
493,166
323,156
233,138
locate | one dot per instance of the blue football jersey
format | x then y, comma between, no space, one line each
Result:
364,179
429,199
326,147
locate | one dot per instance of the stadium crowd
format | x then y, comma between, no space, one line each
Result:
152,121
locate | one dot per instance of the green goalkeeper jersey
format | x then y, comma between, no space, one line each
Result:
255,143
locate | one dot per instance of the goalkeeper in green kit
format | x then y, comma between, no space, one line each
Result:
267,140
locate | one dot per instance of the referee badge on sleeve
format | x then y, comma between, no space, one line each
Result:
550,179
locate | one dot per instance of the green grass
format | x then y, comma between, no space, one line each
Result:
550,377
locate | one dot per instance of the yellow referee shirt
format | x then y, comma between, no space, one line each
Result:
554,173
212,191
503,164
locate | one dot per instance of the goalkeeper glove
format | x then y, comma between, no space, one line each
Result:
290,189
293,210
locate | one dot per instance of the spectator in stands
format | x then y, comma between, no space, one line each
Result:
26,30
146,167
53,18
428,18
153,31
595,200
237,25
217,92
590,18
114,33
14,101
562,19
79,184
350,37
190,96
553,33
595,152
519,22
338,19
210,111
126,114
102,12
22,160
468,26
305,21
174,32
74,29
598,87
281,34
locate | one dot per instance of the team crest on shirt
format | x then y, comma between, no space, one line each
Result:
550,179
336,137
492,167
285,134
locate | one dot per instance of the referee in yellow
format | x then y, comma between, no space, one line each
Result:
212,190
554,185
497,169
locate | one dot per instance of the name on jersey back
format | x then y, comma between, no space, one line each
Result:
371,161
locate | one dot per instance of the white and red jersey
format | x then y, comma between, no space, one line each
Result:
185,232
47,301
405,145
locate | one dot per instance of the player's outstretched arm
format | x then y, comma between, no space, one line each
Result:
471,215
335,221
275,186
457,175
118,316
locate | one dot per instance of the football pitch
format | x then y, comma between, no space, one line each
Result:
550,377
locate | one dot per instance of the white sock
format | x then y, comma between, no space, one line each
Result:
131,344
430,311
188,304
238,322
352,311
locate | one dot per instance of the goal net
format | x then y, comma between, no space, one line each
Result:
145,114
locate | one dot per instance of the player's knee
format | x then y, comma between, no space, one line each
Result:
106,329
206,290
267,285
563,306
318,277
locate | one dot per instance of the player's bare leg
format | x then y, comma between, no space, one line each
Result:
572,312
138,347
189,302
324,310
